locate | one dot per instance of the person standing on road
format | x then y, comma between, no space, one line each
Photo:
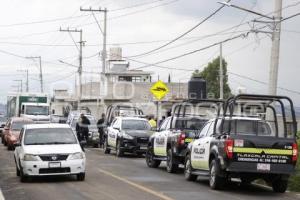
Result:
101,125
84,123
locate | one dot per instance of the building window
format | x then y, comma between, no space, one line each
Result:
136,79
125,78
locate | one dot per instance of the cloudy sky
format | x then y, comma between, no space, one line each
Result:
30,28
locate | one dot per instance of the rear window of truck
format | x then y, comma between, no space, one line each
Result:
248,127
190,124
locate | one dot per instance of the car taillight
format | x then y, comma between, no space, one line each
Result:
295,152
181,139
229,148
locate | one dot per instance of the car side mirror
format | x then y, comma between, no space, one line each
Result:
17,144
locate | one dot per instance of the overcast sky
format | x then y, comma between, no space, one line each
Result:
30,28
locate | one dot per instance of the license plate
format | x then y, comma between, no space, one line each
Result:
54,164
263,167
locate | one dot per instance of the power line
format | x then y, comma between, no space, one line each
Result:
136,5
184,34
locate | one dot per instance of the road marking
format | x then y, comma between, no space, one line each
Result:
145,189
1,195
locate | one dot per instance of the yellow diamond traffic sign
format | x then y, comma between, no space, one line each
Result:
159,90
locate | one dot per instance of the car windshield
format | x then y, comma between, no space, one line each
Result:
48,136
17,126
37,110
248,127
190,123
135,125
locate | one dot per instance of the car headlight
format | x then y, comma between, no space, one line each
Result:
76,156
126,136
30,157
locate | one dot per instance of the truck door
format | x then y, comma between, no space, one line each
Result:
113,133
200,151
160,139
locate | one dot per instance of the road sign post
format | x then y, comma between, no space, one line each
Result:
159,91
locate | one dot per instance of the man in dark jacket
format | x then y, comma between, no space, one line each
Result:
82,128
101,125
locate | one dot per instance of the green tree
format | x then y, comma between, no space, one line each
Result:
211,75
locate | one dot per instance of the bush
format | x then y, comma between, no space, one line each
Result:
294,182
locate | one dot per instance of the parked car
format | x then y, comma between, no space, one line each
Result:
12,130
93,139
127,134
49,149
3,121
246,144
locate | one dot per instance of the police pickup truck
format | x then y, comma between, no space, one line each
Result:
253,139
170,142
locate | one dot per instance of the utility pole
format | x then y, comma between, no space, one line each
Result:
221,73
104,32
41,71
27,79
80,60
273,79
21,84
275,21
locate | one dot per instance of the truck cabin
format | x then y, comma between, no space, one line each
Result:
35,109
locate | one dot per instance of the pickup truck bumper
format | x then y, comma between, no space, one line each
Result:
245,167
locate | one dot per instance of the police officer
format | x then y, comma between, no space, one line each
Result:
101,125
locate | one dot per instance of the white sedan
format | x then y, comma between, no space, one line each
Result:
49,149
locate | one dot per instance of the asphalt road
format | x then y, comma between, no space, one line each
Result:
128,178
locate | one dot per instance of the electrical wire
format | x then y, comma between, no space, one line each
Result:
184,34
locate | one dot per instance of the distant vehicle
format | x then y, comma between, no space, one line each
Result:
127,134
248,142
93,130
33,106
12,131
49,149
3,121
58,119
170,142
117,110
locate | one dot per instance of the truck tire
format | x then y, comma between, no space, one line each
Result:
106,148
216,182
171,166
188,170
279,185
151,162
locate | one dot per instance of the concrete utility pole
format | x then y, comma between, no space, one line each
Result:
21,84
27,79
221,73
104,32
273,79
80,60
41,71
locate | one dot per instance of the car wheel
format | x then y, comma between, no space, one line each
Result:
106,149
119,151
279,185
80,177
215,180
171,167
151,162
23,177
188,170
